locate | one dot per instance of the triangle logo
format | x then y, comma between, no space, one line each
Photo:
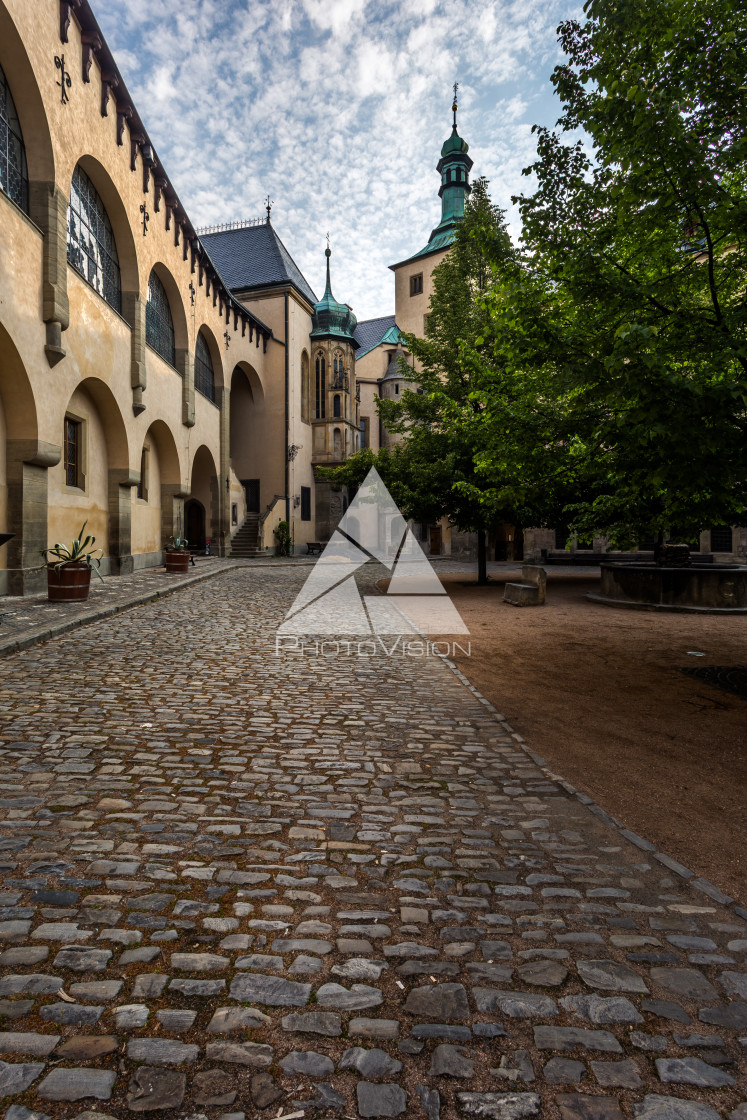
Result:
372,528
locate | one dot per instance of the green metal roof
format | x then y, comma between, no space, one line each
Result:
331,319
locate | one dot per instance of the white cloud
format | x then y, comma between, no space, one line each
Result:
338,109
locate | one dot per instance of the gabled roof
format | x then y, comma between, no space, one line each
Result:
253,256
372,332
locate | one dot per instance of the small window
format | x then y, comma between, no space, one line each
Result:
416,284
73,446
336,406
142,486
396,388
721,539
364,432
306,503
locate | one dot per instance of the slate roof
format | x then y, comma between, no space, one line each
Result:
254,257
372,332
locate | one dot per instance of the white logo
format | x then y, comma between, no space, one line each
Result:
372,528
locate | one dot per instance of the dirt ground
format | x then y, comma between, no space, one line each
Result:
598,693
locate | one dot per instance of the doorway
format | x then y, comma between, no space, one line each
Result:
251,491
194,520
434,538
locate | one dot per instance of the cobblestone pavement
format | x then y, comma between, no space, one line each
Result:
239,884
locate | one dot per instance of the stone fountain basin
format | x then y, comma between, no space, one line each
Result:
707,588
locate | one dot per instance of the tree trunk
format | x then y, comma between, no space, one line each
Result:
482,557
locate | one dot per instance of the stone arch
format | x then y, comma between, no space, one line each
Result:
176,304
24,463
248,437
203,488
28,100
158,510
104,495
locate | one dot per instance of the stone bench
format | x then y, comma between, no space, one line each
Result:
529,593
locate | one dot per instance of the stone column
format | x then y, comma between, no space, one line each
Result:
121,482
133,310
28,462
186,367
223,536
48,206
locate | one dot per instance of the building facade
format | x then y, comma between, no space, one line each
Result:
161,381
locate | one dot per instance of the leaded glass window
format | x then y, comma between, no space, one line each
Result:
159,326
320,408
91,248
14,176
204,375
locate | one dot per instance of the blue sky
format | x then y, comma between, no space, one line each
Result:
338,109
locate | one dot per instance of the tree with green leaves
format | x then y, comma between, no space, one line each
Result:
441,466
640,231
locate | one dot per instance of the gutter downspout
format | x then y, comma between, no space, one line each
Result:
287,415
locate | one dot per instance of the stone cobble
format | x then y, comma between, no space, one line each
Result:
239,883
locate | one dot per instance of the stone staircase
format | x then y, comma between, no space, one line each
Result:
245,543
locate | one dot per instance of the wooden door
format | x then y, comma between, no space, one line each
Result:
434,535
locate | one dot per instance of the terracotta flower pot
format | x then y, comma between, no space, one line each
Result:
177,559
70,584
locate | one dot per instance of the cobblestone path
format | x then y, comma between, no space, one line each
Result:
235,884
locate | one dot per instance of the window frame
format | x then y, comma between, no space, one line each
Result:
11,124
93,252
78,460
416,284
306,503
320,394
209,393
159,328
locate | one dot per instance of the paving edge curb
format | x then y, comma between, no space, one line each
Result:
685,873
15,645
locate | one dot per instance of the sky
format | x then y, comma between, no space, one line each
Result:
337,109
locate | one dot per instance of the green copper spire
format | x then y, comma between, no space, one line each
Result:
330,318
454,168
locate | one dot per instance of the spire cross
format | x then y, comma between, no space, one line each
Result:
328,241
455,105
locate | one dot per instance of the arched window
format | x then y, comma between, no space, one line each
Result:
91,248
305,387
336,404
14,176
320,409
159,326
204,375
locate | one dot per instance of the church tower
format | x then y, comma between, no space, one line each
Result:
334,398
413,285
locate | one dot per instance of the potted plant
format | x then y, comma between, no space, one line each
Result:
283,537
69,569
178,555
